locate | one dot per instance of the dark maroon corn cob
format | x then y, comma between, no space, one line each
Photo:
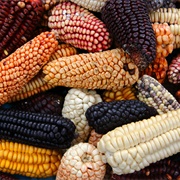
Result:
165,169
106,116
6,176
129,23
36,129
18,20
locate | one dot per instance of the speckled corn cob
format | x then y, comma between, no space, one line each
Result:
37,129
127,93
173,72
76,102
81,162
111,70
128,22
154,94
22,65
157,69
18,20
164,169
28,160
79,27
105,116
135,146
94,137
7,176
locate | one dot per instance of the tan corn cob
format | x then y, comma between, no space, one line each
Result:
22,65
134,146
94,137
111,70
16,158
175,29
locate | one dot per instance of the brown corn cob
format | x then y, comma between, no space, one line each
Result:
157,69
18,20
7,176
22,65
124,94
28,160
79,27
150,91
173,72
177,95
111,70
94,137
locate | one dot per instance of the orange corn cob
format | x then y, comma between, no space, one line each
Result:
111,70
178,96
22,65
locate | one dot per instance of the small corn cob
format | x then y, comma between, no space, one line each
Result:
28,160
81,162
6,176
127,93
157,69
128,22
173,72
154,94
77,26
22,65
76,102
41,130
18,20
164,169
177,95
111,70
105,116
94,137
134,146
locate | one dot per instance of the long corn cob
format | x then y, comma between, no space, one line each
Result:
18,20
37,129
151,92
135,146
28,160
22,65
111,70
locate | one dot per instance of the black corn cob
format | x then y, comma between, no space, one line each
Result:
36,129
18,20
106,116
165,169
129,23
6,176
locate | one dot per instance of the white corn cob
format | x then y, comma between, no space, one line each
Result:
134,146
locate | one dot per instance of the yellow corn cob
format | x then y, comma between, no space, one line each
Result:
134,146
111,70
16,158
22,65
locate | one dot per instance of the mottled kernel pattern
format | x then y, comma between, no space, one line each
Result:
150,91
111,70
22,65
79,27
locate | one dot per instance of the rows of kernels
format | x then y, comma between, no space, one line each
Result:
111,70
94,137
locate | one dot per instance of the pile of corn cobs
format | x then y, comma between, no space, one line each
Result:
90,89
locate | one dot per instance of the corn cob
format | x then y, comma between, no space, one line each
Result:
94,137
164,169
154,94
6,176
49,4
18,20
81,162
133,30
106,116
134,146
127,93
173,72
22,65
177,95
41,130
175,29
76,102
111,70
77,26
28,160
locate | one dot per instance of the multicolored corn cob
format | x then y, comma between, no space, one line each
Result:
154,94
28,160
18,20
111,70
129,23
134,146
22,65
37,129
106,116
79,27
